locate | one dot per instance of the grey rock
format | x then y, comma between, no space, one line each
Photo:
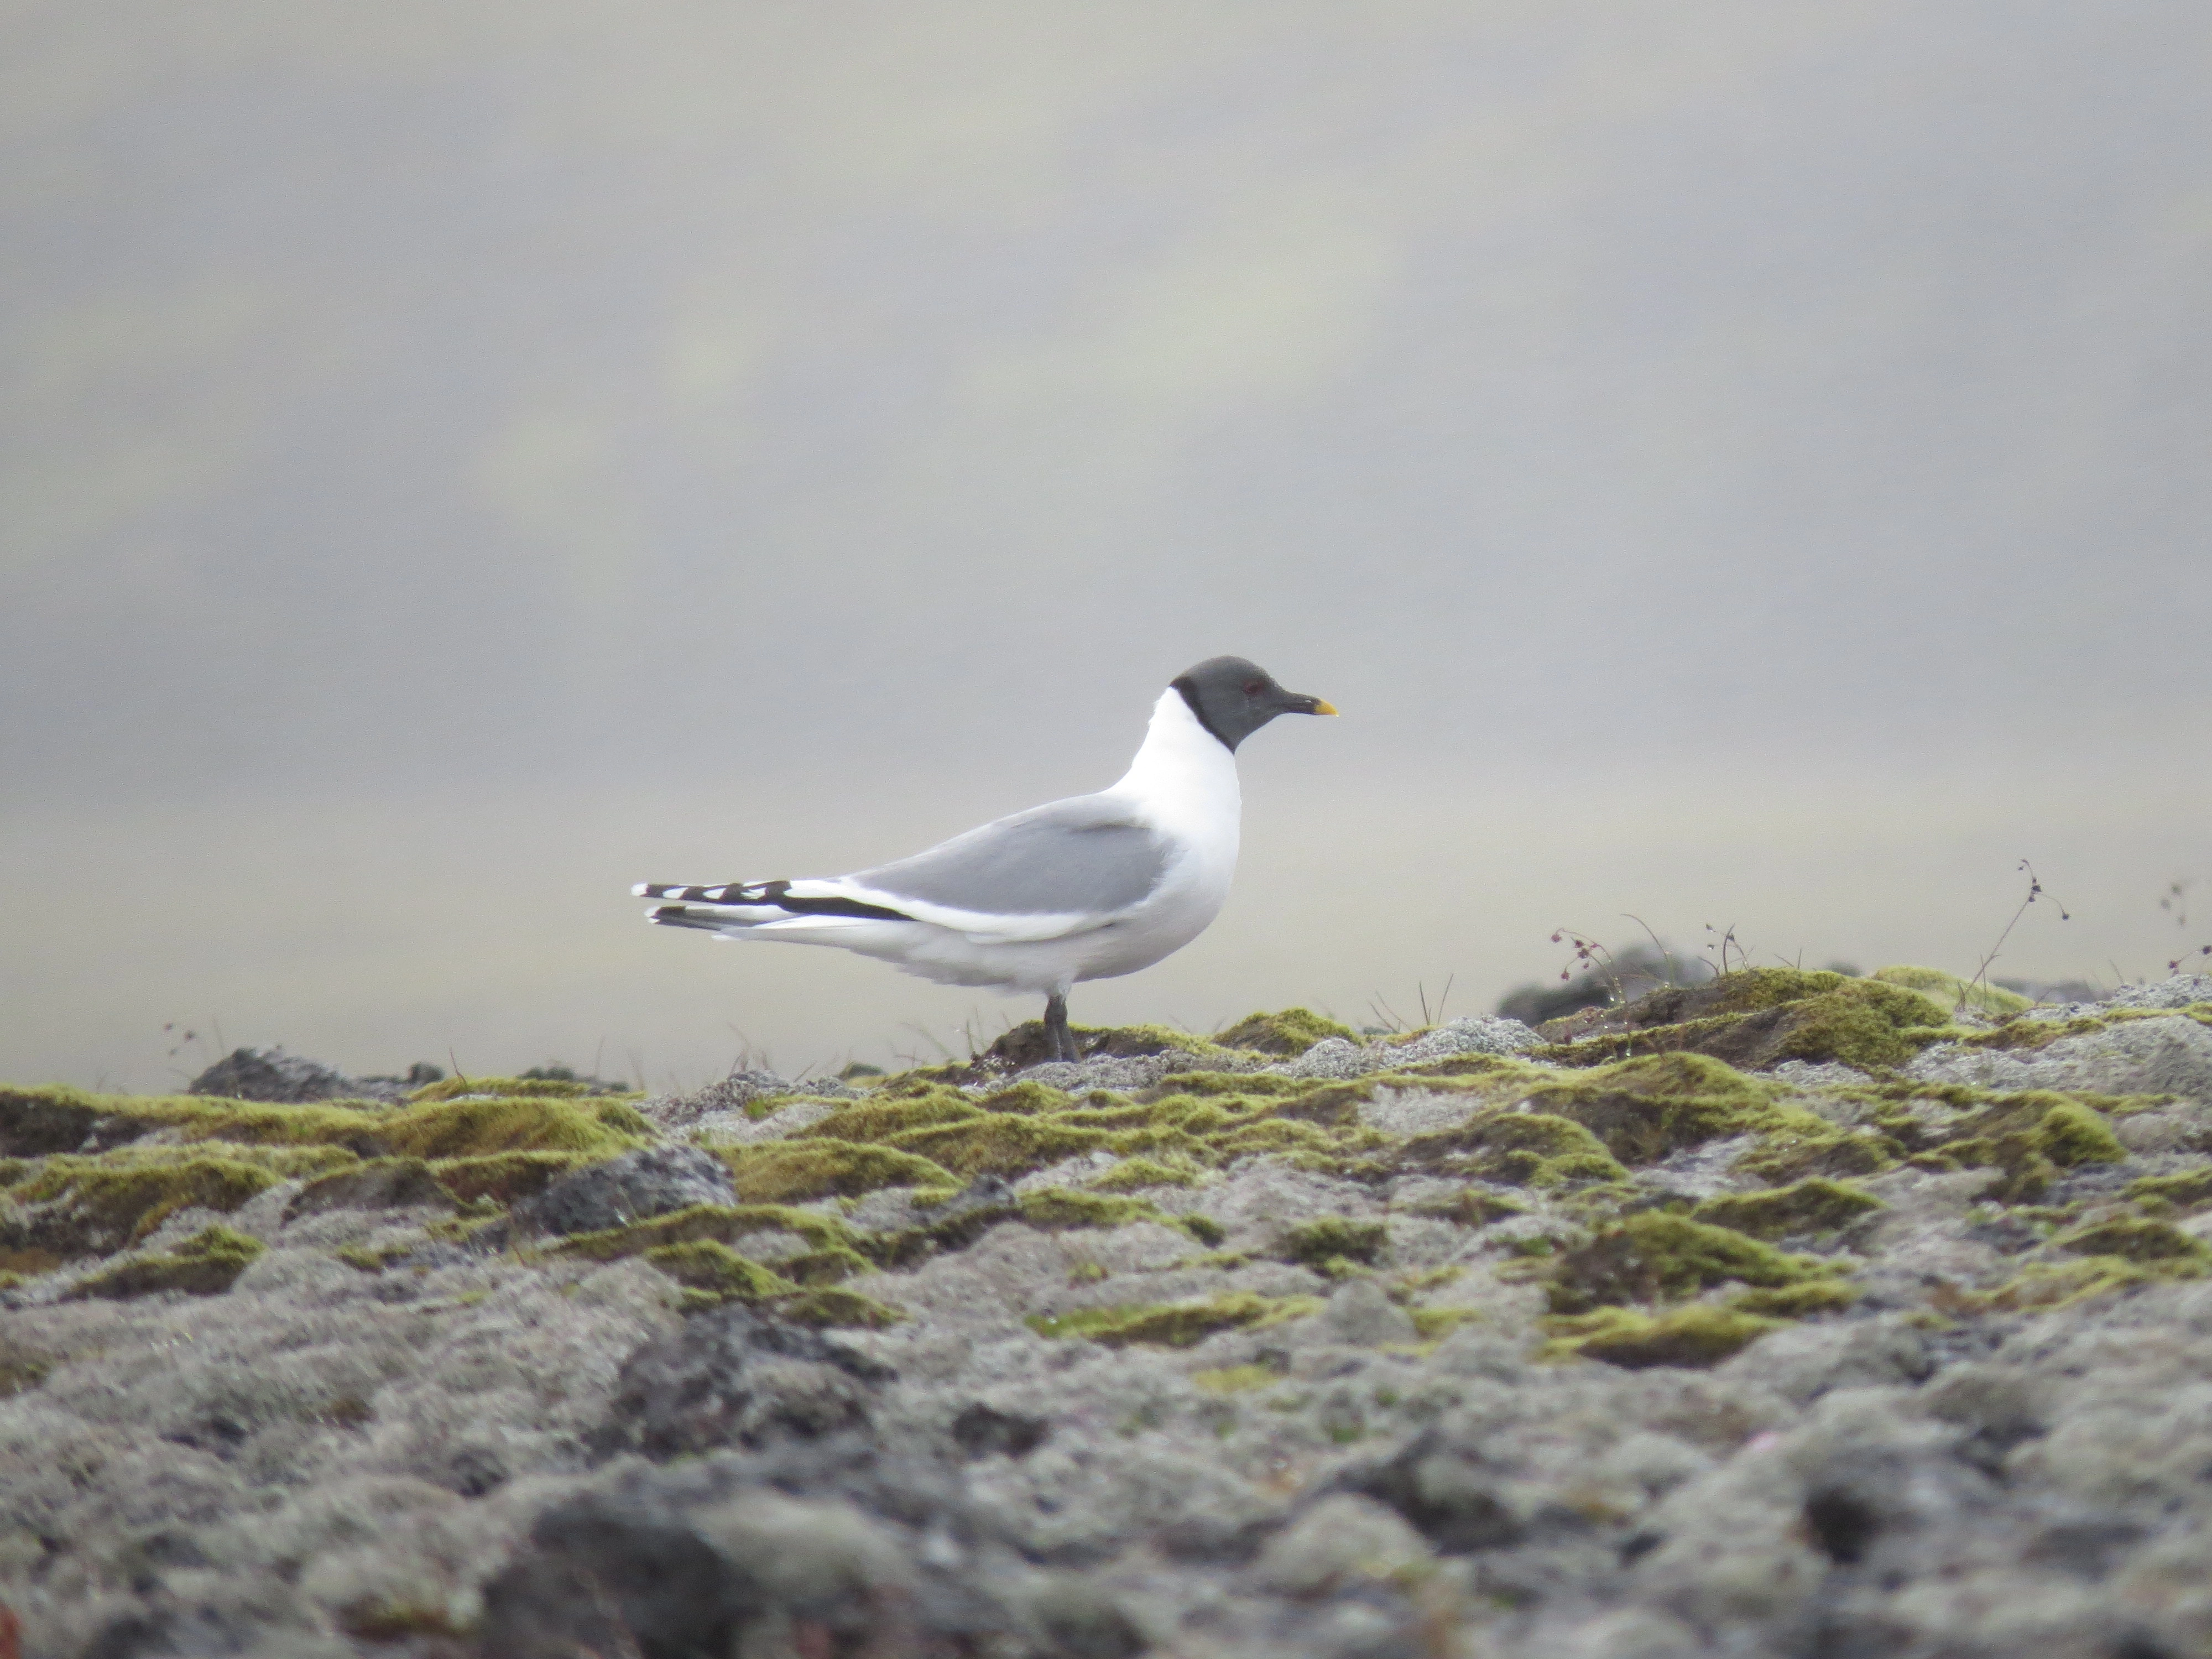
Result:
271,1074
736,1092
2137,1056
732,1377
2178,992
634,1187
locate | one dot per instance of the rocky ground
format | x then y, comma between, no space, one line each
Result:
1788,1313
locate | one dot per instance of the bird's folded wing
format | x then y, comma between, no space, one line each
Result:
1065,868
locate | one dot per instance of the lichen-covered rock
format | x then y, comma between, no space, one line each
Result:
634,1187
1581,1350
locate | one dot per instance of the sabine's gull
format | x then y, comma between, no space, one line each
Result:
1092,887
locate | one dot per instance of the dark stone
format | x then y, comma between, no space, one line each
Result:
733,1377
271,1074
983,1431
1842,1523
1445,1492
612,1577
1084,1622
636,1187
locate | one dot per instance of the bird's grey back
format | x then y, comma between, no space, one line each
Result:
1081,856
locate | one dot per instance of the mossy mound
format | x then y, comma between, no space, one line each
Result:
113,1200
794,1171
1809,1207
474,1128
1518,1149
718,1273
1056,1209
705,1222
1654,1256
508,1177
1175,1325
2135,1239
1334,1239
1025,1046
1646,1108
1289,1033
1696,1337
1761,1017
835,1308
2189,1190
206,1264
2043,1287
1949,991
2029,1137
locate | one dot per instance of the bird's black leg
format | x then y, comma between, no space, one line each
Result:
1057,1037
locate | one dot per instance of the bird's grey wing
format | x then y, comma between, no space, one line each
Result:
1061,868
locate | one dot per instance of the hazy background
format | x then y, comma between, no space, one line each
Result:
1741,462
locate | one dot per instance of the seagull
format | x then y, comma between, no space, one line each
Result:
1092,887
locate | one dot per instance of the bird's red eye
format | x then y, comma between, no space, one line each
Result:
1254,687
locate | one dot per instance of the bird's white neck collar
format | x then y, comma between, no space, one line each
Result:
1179,759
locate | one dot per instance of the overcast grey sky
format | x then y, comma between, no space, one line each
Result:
1730,462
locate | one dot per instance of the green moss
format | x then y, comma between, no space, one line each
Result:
1260,1085
206,1264
1292,1031
1949,991
1056,1209
1761,1017
1434,1324
717,1271
2135,1239
1473,1207
1696,1337
1815,1296
2185,1191
2029,1137
1645,1109
1234,1379
824,1235
794,1171
1521,1149
1136,1175
1178,1325
1815,1205
824,1266
477,1128
508,1177
543,1088
1802,1151
879,1119
2043,1287
827,1308
1332,1238
1654,1256
1001,1145
1205,1229
117,1198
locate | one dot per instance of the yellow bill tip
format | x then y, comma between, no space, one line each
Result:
1322,708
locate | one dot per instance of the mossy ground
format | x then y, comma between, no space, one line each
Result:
205,1264
1572,1133
1653,1257
1175,1325
1697,1336
1290,1032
